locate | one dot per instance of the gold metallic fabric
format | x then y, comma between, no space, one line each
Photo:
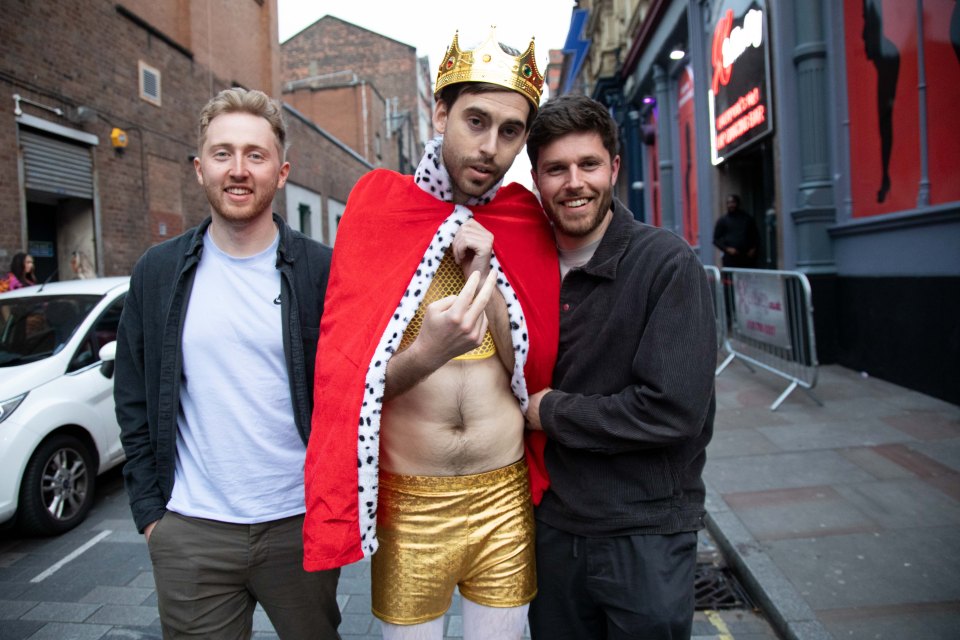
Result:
475,532
448,281
489,63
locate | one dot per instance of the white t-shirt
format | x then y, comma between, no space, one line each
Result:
239,455
576,258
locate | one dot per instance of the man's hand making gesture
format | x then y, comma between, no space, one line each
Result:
472,248
451,327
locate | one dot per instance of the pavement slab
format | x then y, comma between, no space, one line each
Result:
19,629
818,436
929,620
902,504
60,612
60,631
117,595
878,466
799,513
781,471
873,569
116,614
944,452
845,520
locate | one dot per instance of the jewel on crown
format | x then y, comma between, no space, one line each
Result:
490,63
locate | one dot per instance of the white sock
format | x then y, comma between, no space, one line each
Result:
430,630
493,623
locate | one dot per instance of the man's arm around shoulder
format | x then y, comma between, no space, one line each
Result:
669,397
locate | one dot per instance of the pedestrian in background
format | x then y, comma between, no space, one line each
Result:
736,235
214,374
631,409
21,273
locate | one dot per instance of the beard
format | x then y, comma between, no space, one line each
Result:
582,226
230,212
464,185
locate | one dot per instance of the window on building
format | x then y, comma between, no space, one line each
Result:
305,219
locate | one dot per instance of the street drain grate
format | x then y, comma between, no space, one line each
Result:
716,588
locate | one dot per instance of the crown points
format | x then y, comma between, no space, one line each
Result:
490,63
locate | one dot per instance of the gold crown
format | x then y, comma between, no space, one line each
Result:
490,63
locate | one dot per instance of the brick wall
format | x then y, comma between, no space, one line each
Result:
319,164
77,53
331,45
10,216
341,111
209,30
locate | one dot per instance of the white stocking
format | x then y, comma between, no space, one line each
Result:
493,623
430,630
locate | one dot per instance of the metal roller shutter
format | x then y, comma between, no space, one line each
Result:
56,166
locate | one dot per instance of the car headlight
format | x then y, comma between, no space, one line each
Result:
8,406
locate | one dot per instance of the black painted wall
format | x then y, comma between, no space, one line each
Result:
905,330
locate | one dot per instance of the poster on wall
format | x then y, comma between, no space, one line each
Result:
883,103
941,52
688,157
761,312
739,64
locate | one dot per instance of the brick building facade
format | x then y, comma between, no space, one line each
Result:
78,71
331,56
353,111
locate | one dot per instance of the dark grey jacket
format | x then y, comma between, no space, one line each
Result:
148,367
632,413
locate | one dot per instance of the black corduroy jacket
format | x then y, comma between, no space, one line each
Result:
632,408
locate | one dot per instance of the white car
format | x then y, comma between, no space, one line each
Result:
58,429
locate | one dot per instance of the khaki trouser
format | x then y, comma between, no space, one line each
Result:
210,575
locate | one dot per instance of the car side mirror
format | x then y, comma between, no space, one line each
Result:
108,356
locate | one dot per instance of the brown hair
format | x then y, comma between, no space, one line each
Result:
571,114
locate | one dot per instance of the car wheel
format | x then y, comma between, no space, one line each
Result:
58,486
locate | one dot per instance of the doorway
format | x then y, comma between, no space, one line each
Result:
60,237
750,174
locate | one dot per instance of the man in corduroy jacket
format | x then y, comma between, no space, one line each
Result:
631,407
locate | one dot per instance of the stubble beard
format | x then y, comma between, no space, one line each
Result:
229,212
580,229
457,166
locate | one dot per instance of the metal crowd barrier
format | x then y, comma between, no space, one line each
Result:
766,318
713,277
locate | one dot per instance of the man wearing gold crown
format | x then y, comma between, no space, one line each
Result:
441,319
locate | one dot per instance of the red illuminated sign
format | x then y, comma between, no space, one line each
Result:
721,74
744,115
738,101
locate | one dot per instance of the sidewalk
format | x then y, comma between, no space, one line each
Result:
842,519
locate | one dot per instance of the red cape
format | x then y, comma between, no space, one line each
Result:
386,230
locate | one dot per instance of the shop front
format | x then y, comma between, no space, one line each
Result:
834,124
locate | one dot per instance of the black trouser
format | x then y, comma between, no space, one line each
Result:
638,587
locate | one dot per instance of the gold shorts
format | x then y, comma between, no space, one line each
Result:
474,532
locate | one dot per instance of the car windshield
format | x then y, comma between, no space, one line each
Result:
36,327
